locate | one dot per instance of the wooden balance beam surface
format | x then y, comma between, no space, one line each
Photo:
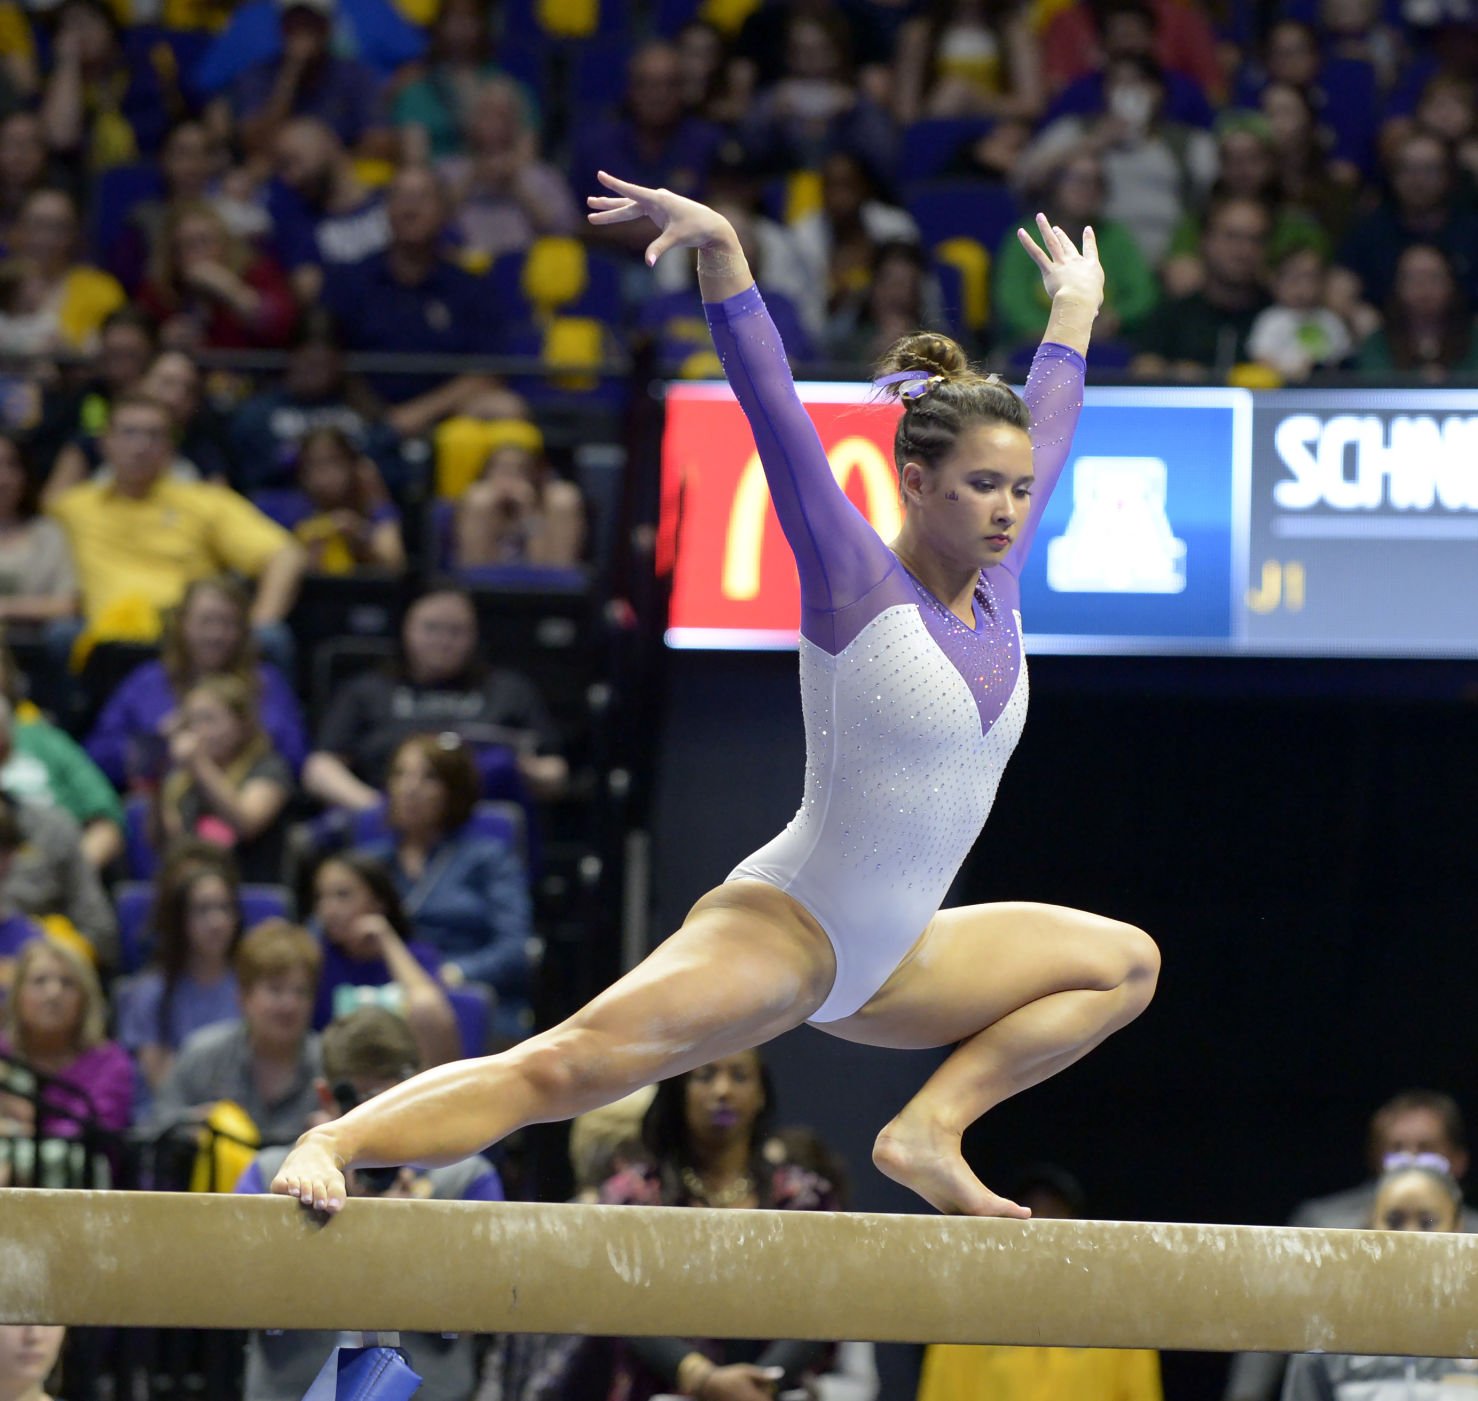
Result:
186,1260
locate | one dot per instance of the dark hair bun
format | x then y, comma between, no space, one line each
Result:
927,351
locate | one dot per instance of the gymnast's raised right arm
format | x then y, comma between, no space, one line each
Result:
837,552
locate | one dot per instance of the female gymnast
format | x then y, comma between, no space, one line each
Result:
914,692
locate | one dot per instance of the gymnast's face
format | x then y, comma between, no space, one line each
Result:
1414,1201
971,505
724,1099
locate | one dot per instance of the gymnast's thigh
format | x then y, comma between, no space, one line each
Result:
978,963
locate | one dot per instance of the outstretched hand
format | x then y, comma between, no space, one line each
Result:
1065,270
684,223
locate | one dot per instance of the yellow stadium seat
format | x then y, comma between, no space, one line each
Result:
464,444
971,259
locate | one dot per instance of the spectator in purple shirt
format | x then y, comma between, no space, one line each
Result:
370,953
309,80
322,213
208,633
197,925
56,1022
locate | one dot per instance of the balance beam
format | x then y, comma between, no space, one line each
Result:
198,1261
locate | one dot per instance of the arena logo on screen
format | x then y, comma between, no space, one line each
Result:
1373,461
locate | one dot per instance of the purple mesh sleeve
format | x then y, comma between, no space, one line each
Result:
836,550
1054,394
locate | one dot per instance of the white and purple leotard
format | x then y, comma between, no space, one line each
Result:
910,715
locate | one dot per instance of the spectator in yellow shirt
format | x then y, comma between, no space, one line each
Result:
139,536
957,1373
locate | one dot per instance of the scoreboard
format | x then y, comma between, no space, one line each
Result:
1278,522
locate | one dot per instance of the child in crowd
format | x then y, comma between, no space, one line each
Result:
226,784
518,513
348,522
1299,333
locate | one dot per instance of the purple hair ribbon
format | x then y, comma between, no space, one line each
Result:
915,383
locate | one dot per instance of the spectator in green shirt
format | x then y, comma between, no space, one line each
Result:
1073,193
47,767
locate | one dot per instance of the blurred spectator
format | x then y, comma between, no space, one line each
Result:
412,300
1074,41
1130,28
1189,337
307,79
1412,1122
28,1356
209,291
1075,194
1155,170
172,381
56,1021
816,106
1301,152
51,301
467,891
323,215
705,1132
25,167
50,878
518,512
100,108
141,538
1356,31
267,1061
968,58
16,929
440,682
19,79
267,431
1247,166
704,70
1428,326
1421,206
196,927
371,954
37,581
193,166
127,344
504,194
654,141
341,513
430,111
1299,332
1416,1192
990,157
46,766
872,28
364,1054
955,1373
226,783
837,244
207,634
901,296
1448,107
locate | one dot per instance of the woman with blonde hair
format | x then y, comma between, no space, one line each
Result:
56,1022
226,784
208,290
208,633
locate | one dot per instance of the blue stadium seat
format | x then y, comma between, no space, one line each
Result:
928,146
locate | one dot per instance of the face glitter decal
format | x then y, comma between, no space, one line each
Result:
951,496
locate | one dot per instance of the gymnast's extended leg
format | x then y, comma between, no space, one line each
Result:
746,965
1026,990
